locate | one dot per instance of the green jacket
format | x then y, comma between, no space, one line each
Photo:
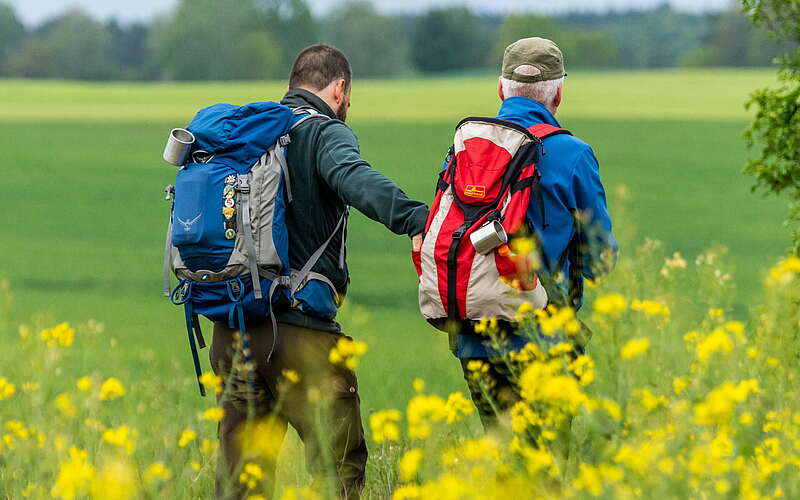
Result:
327,175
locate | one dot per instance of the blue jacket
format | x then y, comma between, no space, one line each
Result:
570,184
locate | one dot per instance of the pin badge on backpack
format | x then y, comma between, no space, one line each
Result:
228,212
229,202
229,191
230,180
230,234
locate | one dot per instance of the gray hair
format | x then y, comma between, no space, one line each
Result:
543,92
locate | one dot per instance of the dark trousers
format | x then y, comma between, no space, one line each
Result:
493,392
323,406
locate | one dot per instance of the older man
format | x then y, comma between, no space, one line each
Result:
575,236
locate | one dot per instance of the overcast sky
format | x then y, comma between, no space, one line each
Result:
34,11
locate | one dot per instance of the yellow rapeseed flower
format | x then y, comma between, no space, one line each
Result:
612,408
406,492
634,348
116,481
85,384
612,304
456,406
651,308
251,475
60,335
716,313
418,385
291,375
213,414
785,271
121,437
410,463
75,476
212,382
718,406
63,404
523,246
421,411
649,400
679,385
261,439
347,352
588,479
208,446
716,341
7,389
111,389
186,437
553,320
384,425
583,368
156,471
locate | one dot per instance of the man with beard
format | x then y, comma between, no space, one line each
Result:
295,383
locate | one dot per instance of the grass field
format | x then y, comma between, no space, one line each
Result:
84,215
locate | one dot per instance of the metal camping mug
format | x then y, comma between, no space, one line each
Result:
488,237
178,145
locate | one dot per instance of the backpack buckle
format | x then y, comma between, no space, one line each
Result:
243,184
284,140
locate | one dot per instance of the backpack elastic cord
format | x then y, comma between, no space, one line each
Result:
170,190
245,223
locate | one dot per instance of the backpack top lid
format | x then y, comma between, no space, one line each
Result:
239,135
489,154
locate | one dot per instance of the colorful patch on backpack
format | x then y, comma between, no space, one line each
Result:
474,191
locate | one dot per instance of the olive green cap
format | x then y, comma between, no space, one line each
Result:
541,53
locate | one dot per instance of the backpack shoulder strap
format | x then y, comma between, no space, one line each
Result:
542,130
309,113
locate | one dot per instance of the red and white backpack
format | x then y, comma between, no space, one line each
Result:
489,179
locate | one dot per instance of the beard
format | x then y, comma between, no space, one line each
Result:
341,113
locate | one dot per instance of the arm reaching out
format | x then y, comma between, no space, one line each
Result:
364,188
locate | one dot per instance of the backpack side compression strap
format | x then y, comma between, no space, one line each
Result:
542,130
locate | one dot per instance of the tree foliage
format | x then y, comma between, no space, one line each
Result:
217,40
449,39
774,131
11,32
369,39
70,46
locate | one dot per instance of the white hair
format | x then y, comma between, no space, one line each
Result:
543,92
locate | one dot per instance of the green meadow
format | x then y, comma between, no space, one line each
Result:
84,215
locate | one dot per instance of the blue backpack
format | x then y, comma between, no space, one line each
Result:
227,240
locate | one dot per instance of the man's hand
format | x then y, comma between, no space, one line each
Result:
416,257
416,243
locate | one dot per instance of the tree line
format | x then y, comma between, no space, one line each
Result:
257,39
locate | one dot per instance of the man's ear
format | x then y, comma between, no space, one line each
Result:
500,89
557,98
339,90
